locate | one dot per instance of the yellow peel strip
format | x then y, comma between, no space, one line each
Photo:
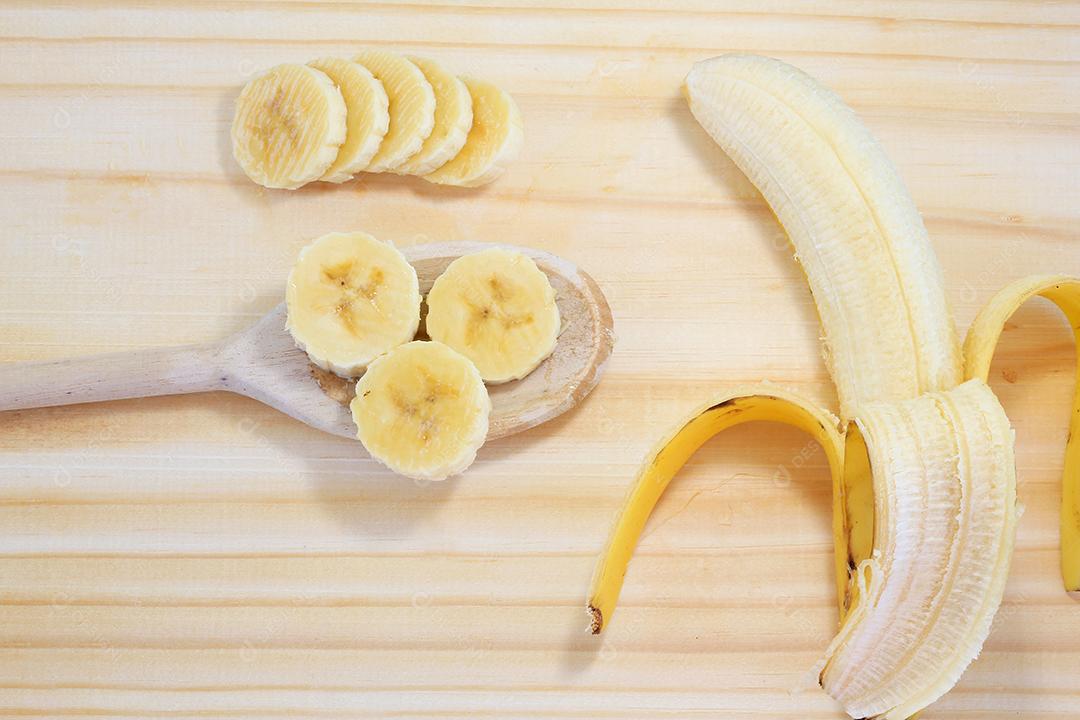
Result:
982,339
762,402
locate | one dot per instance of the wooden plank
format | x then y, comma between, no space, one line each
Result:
206,557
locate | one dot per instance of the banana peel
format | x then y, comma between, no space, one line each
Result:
979,346
921,458
845,449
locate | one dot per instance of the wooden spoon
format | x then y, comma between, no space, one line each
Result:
263,363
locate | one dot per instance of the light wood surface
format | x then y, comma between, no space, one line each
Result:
205,556
262,361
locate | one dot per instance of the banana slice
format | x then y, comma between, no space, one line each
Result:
494,141
498,309
368,116
288,126
412,107
422,410
453,118
351,298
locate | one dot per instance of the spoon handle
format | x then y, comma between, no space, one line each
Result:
96,378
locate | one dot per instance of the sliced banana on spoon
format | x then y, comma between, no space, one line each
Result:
498,309
351,298
422,410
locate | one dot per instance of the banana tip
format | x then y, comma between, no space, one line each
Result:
596,620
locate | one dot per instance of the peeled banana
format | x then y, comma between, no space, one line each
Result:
412,107
494,140
422,410
945,518
349,299
453,119
497,308
887,332
922,461
288,126
367,117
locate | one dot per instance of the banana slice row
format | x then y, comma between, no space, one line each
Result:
376,112
421,407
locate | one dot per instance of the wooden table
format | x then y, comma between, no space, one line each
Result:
205,557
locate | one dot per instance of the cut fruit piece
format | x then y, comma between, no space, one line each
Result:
496,308
422,410
351,298
288,126
453,118
494,141
411,107
755,403
944,526
368,116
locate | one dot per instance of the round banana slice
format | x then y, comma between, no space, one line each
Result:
288,126
422,410
494,140
453,118
368,116
498,309
412,107
351,298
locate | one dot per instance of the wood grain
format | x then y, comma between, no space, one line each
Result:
206,557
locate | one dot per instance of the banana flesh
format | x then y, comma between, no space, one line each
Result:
422,410
367,117
349,299
453,119
494,140
923,472
288,125
412,107
497,308
945,516
861,241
